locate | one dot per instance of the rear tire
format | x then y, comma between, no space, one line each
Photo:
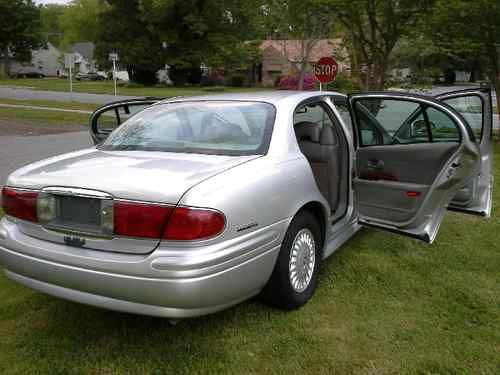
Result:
295,275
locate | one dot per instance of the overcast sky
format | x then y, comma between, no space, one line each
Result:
52,1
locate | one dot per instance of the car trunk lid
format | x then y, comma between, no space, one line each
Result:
86,181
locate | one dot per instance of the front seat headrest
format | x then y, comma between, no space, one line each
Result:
307,131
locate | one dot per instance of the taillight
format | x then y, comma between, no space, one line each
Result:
188,224
140,219
20,204
144,220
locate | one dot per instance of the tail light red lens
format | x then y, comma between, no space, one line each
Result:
140,219
188,224
20,204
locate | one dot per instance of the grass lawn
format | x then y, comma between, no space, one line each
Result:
51,104
42,117
106,87
385,305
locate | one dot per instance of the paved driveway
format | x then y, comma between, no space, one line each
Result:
16,152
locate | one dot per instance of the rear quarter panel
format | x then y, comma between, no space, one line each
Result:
258,194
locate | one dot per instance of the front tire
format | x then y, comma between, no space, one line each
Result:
295,275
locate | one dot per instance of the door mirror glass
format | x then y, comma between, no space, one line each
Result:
418,128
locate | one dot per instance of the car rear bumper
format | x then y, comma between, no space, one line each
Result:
181,291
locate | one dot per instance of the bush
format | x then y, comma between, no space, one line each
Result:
236,80
292,82
214,79
182,76
344,83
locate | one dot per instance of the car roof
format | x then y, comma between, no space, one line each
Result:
270,96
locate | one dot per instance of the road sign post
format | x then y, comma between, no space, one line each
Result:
114,57
69,63
325,71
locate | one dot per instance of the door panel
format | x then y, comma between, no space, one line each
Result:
476,108
405,183
392,181
108,117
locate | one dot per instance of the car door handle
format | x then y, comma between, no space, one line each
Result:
455,165
375,164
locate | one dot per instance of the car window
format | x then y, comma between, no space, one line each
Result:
471,108
313,113
209,127
442,127
399,121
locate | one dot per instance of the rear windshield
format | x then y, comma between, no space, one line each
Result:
204,127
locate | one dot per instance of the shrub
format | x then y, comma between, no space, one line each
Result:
344,83
214,79
237,80
291,82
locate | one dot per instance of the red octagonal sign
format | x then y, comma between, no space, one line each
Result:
326,70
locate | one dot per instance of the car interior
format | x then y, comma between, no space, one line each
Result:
321,141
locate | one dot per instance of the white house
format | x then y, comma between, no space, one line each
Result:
48,61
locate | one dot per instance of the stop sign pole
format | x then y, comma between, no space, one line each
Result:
326,71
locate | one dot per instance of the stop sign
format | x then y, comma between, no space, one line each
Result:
326,70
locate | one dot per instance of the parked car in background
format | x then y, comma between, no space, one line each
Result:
28,74
91,76
187,206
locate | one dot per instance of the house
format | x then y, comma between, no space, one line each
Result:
283,57
47,62
84,57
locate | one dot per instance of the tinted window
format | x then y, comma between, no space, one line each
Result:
211,127
442,127
312,113
471,108
391,121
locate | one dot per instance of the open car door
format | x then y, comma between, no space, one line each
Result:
475,105
108,117
406,176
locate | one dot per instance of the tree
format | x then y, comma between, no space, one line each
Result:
132,28
79,21
470,28
50,25
214,33
303,20
181,33
20,22
372,28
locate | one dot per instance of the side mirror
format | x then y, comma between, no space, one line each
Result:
110,116
418,128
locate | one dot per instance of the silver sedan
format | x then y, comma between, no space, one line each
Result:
187,206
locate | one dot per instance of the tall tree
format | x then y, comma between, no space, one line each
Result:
181,33
79,21
20,31
132,28
306,21
372,28
50,26
470,28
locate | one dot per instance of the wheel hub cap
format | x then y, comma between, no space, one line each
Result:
302,260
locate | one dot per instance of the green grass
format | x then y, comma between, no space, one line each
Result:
51,104
385,305
41,117
106,87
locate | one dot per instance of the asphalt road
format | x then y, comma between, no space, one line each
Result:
16,152
27,94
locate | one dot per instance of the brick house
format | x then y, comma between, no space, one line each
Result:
283,57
